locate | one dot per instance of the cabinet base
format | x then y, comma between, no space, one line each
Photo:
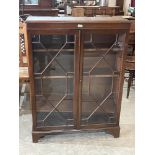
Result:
36,135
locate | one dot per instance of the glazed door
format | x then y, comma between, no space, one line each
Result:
100,73
54,74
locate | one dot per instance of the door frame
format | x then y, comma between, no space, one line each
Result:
76,76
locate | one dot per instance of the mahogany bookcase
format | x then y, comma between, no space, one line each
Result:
76,68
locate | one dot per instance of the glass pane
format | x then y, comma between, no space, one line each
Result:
53,57
101,69
98,100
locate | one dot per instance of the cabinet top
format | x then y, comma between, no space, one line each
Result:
48,19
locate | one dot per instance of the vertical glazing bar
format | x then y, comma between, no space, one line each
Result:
66,84
89,84
41,80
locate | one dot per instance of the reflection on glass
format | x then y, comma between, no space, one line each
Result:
102,53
